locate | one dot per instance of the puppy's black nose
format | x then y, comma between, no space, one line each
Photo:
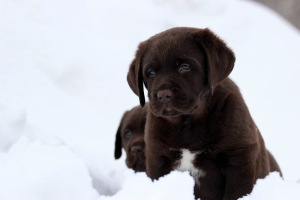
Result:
164,95
136,149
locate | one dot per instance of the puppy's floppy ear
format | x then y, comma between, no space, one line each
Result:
135,74
220,58
118,142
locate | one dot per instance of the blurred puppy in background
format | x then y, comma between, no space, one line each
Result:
130,136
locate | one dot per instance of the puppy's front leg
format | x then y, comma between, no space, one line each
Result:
240,176
158,162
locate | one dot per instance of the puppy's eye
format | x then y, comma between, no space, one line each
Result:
127,133
150,72
184,67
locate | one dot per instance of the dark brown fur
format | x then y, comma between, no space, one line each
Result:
195,106
130,136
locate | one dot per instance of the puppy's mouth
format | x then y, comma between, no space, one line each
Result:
139,166
179,104
136,161
168,111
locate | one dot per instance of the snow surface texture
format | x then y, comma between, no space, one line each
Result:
63,90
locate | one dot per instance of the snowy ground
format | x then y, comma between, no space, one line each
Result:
63,90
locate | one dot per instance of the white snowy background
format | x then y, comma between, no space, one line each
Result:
63,90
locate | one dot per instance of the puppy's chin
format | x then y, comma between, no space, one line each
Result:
137,163
139,166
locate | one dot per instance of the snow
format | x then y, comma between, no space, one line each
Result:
273,187
140,187
63,90
40,180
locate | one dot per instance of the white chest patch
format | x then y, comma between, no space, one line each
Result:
185,163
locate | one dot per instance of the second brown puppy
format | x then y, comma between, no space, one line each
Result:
130,136
198,120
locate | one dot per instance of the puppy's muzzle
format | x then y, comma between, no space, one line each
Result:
164,96
136,150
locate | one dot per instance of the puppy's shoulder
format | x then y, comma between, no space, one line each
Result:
227,86
228,100
227,91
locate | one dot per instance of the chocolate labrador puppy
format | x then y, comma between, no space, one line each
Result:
130,136
197,120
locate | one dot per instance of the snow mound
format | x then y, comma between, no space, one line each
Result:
176,185
179,186
32,170
275,188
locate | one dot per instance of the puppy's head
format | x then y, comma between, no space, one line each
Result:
180,68
130,136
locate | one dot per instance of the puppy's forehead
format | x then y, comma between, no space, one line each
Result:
134,118
170,45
